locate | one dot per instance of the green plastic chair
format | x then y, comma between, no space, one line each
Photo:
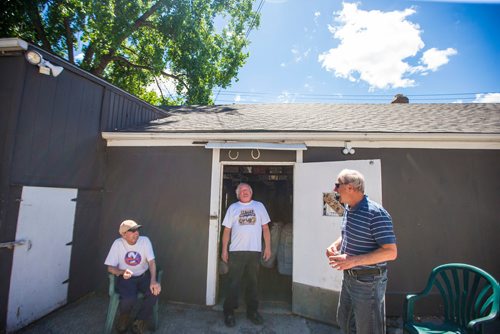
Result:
114,300
470,297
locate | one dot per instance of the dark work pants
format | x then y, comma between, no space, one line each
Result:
128,289
243,268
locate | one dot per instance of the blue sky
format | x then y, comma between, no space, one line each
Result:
328,51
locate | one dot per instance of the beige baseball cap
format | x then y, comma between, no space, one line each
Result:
128,225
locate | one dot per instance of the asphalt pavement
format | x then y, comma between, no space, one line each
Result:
88,315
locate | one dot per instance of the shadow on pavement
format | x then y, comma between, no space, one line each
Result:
88,315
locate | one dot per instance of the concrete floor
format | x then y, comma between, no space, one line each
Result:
89,314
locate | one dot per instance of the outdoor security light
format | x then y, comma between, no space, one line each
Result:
56,70
348,149
35,58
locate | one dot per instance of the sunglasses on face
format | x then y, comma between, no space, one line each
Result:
338,184
133,230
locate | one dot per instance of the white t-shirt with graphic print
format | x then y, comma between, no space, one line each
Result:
245,221
133,257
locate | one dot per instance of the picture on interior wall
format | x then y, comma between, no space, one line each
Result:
331,206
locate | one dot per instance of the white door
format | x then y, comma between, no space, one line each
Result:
316,285
40,268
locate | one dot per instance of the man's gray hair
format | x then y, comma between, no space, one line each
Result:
238,189
353,177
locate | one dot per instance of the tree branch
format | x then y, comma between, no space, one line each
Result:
39,29
159,88
148,68
69,40
126,32
89,54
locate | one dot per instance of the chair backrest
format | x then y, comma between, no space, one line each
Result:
468,292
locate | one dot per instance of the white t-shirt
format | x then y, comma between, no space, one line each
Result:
133,257
245,221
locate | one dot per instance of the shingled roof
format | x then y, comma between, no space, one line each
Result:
456,118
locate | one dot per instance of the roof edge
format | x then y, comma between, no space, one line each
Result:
366,140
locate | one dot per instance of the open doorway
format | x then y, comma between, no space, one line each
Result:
273,186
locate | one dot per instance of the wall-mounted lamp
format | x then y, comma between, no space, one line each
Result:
34,58
348,149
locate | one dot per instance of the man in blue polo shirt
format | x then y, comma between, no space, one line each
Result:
367,241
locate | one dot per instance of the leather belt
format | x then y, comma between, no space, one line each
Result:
365,272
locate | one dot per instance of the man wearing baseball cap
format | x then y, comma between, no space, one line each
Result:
132,260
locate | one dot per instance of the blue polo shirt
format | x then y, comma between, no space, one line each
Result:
365,228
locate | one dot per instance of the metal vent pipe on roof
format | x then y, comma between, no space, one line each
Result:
400,98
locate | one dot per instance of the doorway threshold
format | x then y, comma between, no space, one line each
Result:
266,307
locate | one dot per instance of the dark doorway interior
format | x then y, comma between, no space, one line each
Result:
273,186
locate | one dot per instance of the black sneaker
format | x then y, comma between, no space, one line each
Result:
229,320
255,318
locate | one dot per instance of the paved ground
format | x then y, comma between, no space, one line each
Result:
89,314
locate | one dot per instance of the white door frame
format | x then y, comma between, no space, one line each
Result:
215,219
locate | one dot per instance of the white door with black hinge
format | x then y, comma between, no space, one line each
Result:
40,268
316,286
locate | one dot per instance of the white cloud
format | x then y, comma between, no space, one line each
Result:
374,46
434,58
308,87
299,55
286,97
79,57
317,14
237,98
488,98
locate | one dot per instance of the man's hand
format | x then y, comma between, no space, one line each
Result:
224,256
331,250
155,288
342,261
127,274
267,253
386,252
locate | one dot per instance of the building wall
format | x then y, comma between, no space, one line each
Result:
50,136
57,139
443,207
441,202
167,190
10,95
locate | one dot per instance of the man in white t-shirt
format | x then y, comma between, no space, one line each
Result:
244,224
132,260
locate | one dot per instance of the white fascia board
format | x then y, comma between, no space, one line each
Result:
357,140
13,44
255,145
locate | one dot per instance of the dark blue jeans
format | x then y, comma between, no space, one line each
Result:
243,267
128,289
362,304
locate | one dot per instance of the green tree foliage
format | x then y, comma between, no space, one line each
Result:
135,43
